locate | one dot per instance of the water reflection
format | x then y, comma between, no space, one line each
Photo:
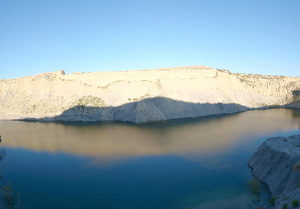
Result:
168,165
179,137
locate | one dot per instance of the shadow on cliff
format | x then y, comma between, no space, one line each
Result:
296,100
144,111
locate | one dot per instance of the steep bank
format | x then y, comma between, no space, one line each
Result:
142,96
277,164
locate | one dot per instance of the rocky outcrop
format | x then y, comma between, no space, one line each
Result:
277,164
142,95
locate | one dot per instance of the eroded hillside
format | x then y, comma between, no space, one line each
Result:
142,95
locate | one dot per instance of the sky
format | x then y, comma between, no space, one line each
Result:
254,36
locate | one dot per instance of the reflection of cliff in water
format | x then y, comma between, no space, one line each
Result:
119,140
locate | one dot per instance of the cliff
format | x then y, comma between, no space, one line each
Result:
277,164
142,95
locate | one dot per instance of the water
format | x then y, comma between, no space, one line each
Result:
189,163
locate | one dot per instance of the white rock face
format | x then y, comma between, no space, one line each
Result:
142,95
277,163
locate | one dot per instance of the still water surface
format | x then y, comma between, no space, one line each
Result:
187,163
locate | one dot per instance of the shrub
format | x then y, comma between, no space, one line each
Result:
254,186
296,167
284,206
295,203
272,201
8,195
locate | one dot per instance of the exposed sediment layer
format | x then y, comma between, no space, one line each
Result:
142,95
277,164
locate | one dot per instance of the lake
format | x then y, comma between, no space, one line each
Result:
184,163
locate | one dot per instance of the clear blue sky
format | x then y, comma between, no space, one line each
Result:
254,36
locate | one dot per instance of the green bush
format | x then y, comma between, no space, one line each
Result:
254,186
284,206
272,201
296,167
8,195
295,203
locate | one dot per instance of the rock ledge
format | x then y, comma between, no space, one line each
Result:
277,164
